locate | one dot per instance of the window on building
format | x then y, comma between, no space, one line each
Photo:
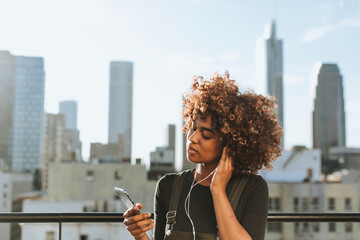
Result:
316,227
348,226
332,227
84,237
306,227
347,204
118,175
297,227
331,203
305,204
50,235
274,227
89,175
274,203
315,203
296,204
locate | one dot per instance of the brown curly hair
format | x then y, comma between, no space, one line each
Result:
246,122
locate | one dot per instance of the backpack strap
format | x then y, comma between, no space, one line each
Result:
175,195
236,190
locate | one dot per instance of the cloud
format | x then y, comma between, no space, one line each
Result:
316,33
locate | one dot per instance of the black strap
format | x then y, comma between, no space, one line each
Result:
175,195
236,190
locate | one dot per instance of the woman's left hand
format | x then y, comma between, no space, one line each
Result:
223,171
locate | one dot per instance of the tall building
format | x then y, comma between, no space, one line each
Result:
69,110
22,81
53,144
270,68
72,144
328,108
162,160
120,105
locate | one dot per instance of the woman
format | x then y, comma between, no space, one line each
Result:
230,136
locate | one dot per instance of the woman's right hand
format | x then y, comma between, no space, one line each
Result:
138,224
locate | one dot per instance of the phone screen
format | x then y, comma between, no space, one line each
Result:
125,198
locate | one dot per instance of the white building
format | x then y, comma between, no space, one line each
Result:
70,231
12,184
120,105
314,198
296,165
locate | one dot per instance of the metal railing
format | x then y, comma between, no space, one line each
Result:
91,217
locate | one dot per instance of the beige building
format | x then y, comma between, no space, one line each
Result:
82,181
106,153
316,198
53,143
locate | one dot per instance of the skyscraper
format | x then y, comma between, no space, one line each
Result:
71,143
120,105
328,108
69,110
22,81
270,68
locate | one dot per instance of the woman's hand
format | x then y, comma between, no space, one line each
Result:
138,224
223,172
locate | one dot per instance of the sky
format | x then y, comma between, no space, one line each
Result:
171,41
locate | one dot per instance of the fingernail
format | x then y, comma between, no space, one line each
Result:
148,214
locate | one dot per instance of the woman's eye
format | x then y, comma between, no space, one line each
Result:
205,137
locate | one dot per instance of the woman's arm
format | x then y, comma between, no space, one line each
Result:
228,225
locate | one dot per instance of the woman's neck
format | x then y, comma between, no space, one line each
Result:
201,172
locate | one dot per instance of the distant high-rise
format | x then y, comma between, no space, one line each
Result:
120,105
53,144
328,108
69,110
270,68
22,81
162,160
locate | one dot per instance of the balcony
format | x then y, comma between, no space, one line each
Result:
118,217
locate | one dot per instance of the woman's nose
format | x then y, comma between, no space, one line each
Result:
193,136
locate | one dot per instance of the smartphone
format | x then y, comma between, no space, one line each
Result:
125,198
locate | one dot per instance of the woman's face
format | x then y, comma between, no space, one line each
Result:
203,145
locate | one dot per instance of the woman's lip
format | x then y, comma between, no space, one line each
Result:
191,150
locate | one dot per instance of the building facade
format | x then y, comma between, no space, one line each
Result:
12,184
82,181
328,108
22,112
120,105
53,144
313,197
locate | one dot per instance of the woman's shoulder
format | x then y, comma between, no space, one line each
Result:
254,182
168,179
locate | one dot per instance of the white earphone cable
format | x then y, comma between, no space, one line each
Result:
187,199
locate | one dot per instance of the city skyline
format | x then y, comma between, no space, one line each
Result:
168,49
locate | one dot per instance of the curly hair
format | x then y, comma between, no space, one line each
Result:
246,122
